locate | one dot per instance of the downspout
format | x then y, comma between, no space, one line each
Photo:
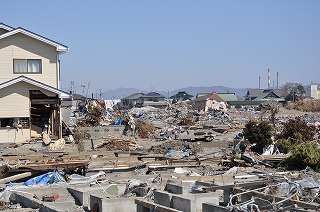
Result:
58,87
58,72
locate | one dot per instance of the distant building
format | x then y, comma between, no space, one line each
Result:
266,94
73,101
209,102
313,90
133,100
154,99
228,97
181,96
201,94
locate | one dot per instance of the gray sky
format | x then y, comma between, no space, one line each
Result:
170,44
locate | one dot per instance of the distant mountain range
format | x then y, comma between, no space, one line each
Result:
120,93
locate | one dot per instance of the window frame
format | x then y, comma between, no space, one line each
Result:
20,122
27,72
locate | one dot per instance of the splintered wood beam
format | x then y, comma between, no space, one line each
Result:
15,177
117,166
52,165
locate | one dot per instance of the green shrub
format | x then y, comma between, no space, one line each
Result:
284,145
303,155
259,134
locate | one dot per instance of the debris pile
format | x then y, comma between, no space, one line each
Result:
175,152
112,143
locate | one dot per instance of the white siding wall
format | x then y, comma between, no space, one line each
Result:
20,46
14,135
14,101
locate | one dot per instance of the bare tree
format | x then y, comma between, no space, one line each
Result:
294,91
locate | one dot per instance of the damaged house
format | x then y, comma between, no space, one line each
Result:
209,102
30,97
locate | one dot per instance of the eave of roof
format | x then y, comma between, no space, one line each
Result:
6,27
59,47
228,96
134,96
153,95
202,98
22,78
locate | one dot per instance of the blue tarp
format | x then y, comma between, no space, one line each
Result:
48,178
118,122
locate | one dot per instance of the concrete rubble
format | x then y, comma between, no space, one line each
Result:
150,159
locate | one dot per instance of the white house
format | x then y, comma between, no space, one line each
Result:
30,97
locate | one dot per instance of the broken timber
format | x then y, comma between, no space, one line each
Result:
49,165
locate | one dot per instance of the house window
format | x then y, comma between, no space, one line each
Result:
14,122
6,122
27,66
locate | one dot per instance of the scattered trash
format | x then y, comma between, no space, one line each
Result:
50,197
206,149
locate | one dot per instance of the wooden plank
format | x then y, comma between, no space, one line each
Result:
154,206
15,177
51,165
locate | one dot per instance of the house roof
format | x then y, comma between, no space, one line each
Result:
201,94
134,96
153,95
212,96
254,92
271,94
181,95
228,96
6,27
12,31
22,78
260,93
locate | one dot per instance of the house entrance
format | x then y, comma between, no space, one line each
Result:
44,111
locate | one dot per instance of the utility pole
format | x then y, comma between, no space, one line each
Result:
83,86
100,93
72,87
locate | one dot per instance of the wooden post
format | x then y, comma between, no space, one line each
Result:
92,146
